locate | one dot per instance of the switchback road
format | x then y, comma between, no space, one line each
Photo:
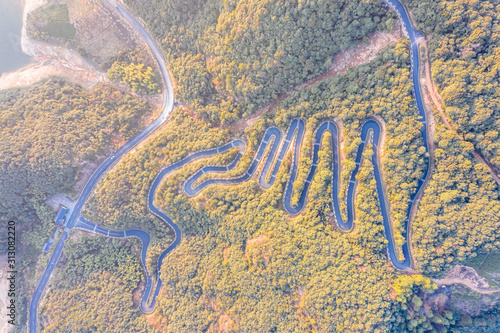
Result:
296,130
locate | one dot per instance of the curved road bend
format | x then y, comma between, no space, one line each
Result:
75,215
267,178
368,126
296,130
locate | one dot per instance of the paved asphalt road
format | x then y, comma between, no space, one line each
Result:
296,131
266,179
145,133
294,136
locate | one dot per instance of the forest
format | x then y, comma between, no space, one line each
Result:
229,58
244,264
465,54
50,132
463,41
100,274
130,68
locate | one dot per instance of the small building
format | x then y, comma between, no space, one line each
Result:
61,214
48,244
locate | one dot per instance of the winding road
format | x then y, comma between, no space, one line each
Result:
294,134
145,133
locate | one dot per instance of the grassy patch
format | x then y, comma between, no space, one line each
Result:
476,261
60,29
55,13
487,266
53,22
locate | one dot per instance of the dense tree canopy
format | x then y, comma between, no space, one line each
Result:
51,132
94,289
130,69
244,264
242,256
231,57
51,128
464,39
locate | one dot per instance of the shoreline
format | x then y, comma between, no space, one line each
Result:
28,7
48,60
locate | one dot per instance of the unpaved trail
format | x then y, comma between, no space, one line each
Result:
431,87
468,284
345,59
467,276
438,103
493,169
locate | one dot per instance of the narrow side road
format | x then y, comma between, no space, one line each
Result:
296,130
468,284
438,103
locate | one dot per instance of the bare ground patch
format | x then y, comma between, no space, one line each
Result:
99,33
57,199
46,67
256,241
467,276
83,175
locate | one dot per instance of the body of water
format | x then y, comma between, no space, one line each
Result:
11,23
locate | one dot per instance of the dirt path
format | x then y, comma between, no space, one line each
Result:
468,277
449,282
345,59
493,169
431,88
438,103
